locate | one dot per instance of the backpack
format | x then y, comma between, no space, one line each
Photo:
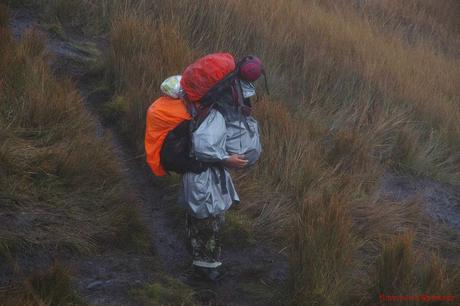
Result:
227,91
208,82
163,116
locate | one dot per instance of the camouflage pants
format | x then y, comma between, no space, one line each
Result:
203,240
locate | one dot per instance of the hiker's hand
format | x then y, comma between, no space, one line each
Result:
235,161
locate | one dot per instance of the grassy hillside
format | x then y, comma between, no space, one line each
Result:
352,99
60,187
360,89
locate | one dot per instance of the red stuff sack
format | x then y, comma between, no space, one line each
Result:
202,75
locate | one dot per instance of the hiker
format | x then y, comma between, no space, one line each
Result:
217,133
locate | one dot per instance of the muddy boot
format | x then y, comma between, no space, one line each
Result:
208,274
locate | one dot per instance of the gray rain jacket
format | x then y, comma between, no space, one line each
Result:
242,134
212,192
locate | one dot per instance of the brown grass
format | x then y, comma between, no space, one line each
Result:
400,270
360,101
141,59
60,187
360,88
48,287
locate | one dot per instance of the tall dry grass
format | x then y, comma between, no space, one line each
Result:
359,88
350,102
81,16
60,187
331,59
52,286
140,59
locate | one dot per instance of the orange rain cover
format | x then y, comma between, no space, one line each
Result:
162,117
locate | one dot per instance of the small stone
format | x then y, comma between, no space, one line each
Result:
95,284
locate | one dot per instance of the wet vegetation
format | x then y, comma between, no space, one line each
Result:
48,287
168,292
61,192
359,89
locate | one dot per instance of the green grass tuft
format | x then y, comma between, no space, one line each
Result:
4,16
237,230
261,292
129,232
395,266
56,30
167,292
114,109
54,287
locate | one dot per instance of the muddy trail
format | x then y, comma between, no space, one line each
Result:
109,278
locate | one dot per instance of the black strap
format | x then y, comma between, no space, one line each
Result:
223,181
266,83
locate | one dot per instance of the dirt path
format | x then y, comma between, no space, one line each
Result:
440,201
255,273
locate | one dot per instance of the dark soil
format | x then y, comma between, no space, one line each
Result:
255,273
441,202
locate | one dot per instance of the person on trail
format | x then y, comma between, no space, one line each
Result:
220,134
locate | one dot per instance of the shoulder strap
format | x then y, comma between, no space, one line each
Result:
200,116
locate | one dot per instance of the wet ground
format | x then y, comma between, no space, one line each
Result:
441,202
254,273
